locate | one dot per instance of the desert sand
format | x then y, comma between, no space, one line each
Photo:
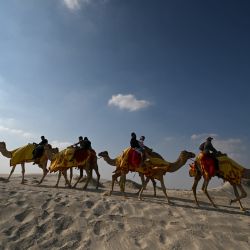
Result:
44,217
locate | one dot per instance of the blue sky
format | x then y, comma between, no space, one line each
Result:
174,71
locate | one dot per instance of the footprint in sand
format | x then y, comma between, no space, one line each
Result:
62,223
20,203
20,217
9,231
97,227
45,204
88,204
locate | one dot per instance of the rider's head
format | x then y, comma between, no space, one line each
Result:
133,134
210,138
80,138
142,138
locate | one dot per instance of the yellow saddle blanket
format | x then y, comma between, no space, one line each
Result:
64,160
22,154
230,170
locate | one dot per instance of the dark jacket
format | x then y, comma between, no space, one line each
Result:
43,142
85,144
207,146
134,143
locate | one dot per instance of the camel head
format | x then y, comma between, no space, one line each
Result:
103,154
186,155
2,144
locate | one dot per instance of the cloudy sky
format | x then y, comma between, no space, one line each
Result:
173,71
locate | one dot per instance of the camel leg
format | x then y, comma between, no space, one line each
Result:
154,185
142,188
164,190
114,178
238,197
98,176
89,177
142,182
59,177
64,172
79,178
23,172
11,172
204,189
70,175
194,188
45,171
122,183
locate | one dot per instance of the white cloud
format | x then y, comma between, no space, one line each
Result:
18,132
128,102
77,4
60,145
72,4
202,136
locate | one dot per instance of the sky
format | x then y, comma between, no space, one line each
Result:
173,71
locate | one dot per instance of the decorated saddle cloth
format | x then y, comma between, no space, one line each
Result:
70,157
130,160
192,170
207,165
22,154
230,170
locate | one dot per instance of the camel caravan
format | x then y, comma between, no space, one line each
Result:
137,158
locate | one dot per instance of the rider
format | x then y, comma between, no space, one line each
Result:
208,149
138,146
85,144
38,151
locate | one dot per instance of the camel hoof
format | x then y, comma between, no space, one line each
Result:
230,202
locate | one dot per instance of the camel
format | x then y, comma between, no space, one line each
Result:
115,163
150,172
228,170
48,154
89,165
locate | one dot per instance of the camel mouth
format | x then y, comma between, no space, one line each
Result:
101,154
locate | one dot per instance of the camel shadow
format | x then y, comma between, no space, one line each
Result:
185,203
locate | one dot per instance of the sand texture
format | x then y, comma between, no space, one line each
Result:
44,217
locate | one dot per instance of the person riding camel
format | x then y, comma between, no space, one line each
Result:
39,149
84,144
208,149
138,146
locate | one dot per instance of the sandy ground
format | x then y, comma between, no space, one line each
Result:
44,217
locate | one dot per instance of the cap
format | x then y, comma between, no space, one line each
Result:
210,138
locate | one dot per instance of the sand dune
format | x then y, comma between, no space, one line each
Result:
44,217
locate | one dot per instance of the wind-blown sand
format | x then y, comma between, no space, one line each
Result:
44,217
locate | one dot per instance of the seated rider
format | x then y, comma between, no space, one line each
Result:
208,149
38,151
84,144
137,146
